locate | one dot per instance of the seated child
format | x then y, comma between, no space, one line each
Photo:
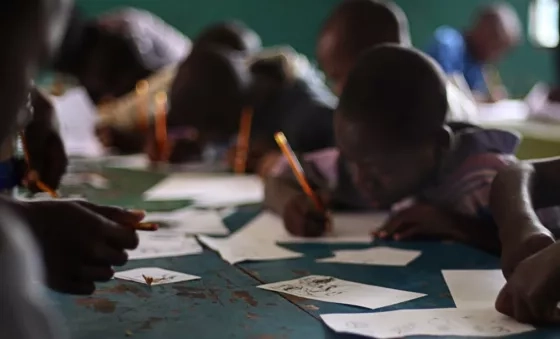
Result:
279,86
393,143
120,119
529,252
353,27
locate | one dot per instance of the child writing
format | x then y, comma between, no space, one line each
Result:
283,91
529,251
390,149
121,119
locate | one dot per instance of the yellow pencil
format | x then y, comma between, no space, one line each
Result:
142,88
161,123
297,169
35,177
242,147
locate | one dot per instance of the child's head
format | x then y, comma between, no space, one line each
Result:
353,27
230,34
208,94
496,31
390,122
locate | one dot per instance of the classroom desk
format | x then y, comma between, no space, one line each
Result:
225,303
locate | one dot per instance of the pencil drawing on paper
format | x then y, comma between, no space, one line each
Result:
404,329
315,287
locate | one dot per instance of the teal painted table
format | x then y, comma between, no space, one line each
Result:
225,303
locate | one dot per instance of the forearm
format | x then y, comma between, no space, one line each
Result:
278,191
510,196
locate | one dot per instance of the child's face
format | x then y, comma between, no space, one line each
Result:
384,173
332,60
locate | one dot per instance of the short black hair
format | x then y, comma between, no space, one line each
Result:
366,23
399,91
209,92
230,34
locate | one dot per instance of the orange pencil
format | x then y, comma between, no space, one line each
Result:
161,123
41,185
297,169
242,148
142,88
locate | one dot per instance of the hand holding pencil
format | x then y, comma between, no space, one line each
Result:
305,214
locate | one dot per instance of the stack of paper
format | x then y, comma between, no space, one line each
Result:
436,322
382,256
161,245
188,221
157,276
339,291
209,190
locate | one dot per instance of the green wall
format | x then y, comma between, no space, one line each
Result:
296,22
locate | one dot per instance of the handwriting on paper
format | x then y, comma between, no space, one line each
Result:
330,289
437,322
153,276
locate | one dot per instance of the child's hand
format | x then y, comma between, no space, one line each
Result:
267,163
301,217
531,294
420,220
45,147
81,241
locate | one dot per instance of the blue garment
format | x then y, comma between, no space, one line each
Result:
449,49
9,176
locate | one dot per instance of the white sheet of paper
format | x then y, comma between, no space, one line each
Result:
77,116
381,256
159,275
189,221
162,245
209,190
437,322
334,290
348,228
237,249
474,288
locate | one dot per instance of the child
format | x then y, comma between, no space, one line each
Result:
120,126
529,252
496,32
353,27
74,257
282,89
357,25
394,144
230,34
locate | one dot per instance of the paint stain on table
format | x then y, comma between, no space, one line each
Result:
245,296
101,305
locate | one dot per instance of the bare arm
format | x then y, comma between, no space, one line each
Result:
523,187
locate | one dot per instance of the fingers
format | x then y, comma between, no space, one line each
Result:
116,214
69,286
101,253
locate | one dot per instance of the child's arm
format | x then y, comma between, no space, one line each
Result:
516,192
429,221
